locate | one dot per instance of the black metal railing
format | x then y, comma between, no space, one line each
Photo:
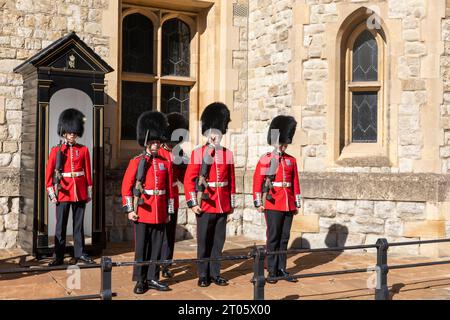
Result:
258,254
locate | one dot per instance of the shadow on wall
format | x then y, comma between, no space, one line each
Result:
337,236
182,233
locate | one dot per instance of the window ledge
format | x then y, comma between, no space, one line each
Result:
363,155
372,161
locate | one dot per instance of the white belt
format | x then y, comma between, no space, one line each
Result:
218,184
281,184
154,192
72,174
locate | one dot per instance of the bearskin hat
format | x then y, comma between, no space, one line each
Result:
177,121
153,126
215,116
71,121
286,126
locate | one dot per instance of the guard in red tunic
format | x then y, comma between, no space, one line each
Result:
69,185
209,186
147,199
177,132
276,191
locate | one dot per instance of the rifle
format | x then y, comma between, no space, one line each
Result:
267,183
201,182
57,175
140,176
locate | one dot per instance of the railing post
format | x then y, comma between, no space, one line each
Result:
259,280
382,269
106,270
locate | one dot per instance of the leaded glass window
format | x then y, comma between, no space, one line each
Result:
176,38
364,116
175,99
155,70
365,58
136,99
364,88
137,44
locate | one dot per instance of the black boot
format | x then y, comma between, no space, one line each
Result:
271,276
166,273
284,273
140,288
220,281
203,282
157,285
56,262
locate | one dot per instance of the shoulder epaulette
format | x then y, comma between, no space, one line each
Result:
139,155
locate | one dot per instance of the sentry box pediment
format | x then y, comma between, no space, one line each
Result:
68,54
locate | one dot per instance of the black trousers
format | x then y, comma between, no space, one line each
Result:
211,232
169,237
148,243
278,231
62,217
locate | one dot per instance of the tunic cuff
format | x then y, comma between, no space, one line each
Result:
128,207
298,200
258,200
171,206
89,191
233,200
193,201
51,193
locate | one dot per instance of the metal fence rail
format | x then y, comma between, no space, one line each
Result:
258,254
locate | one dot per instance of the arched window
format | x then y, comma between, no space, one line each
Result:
137,58
137,44
176,61
176,48
365,103
364,85
158,72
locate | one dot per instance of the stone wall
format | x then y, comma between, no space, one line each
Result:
315,74
445,107
413,96
10,217
269,88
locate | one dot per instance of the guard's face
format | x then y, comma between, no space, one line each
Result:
283,147
71,137
214,136
154,146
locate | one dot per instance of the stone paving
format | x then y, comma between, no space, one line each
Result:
415,283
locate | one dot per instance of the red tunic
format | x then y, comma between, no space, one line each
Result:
178,175
221,179
286,191
156,207
76,187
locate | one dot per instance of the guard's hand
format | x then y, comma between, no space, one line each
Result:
89,200
197,210
295,212
261,209
54,200
132,216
